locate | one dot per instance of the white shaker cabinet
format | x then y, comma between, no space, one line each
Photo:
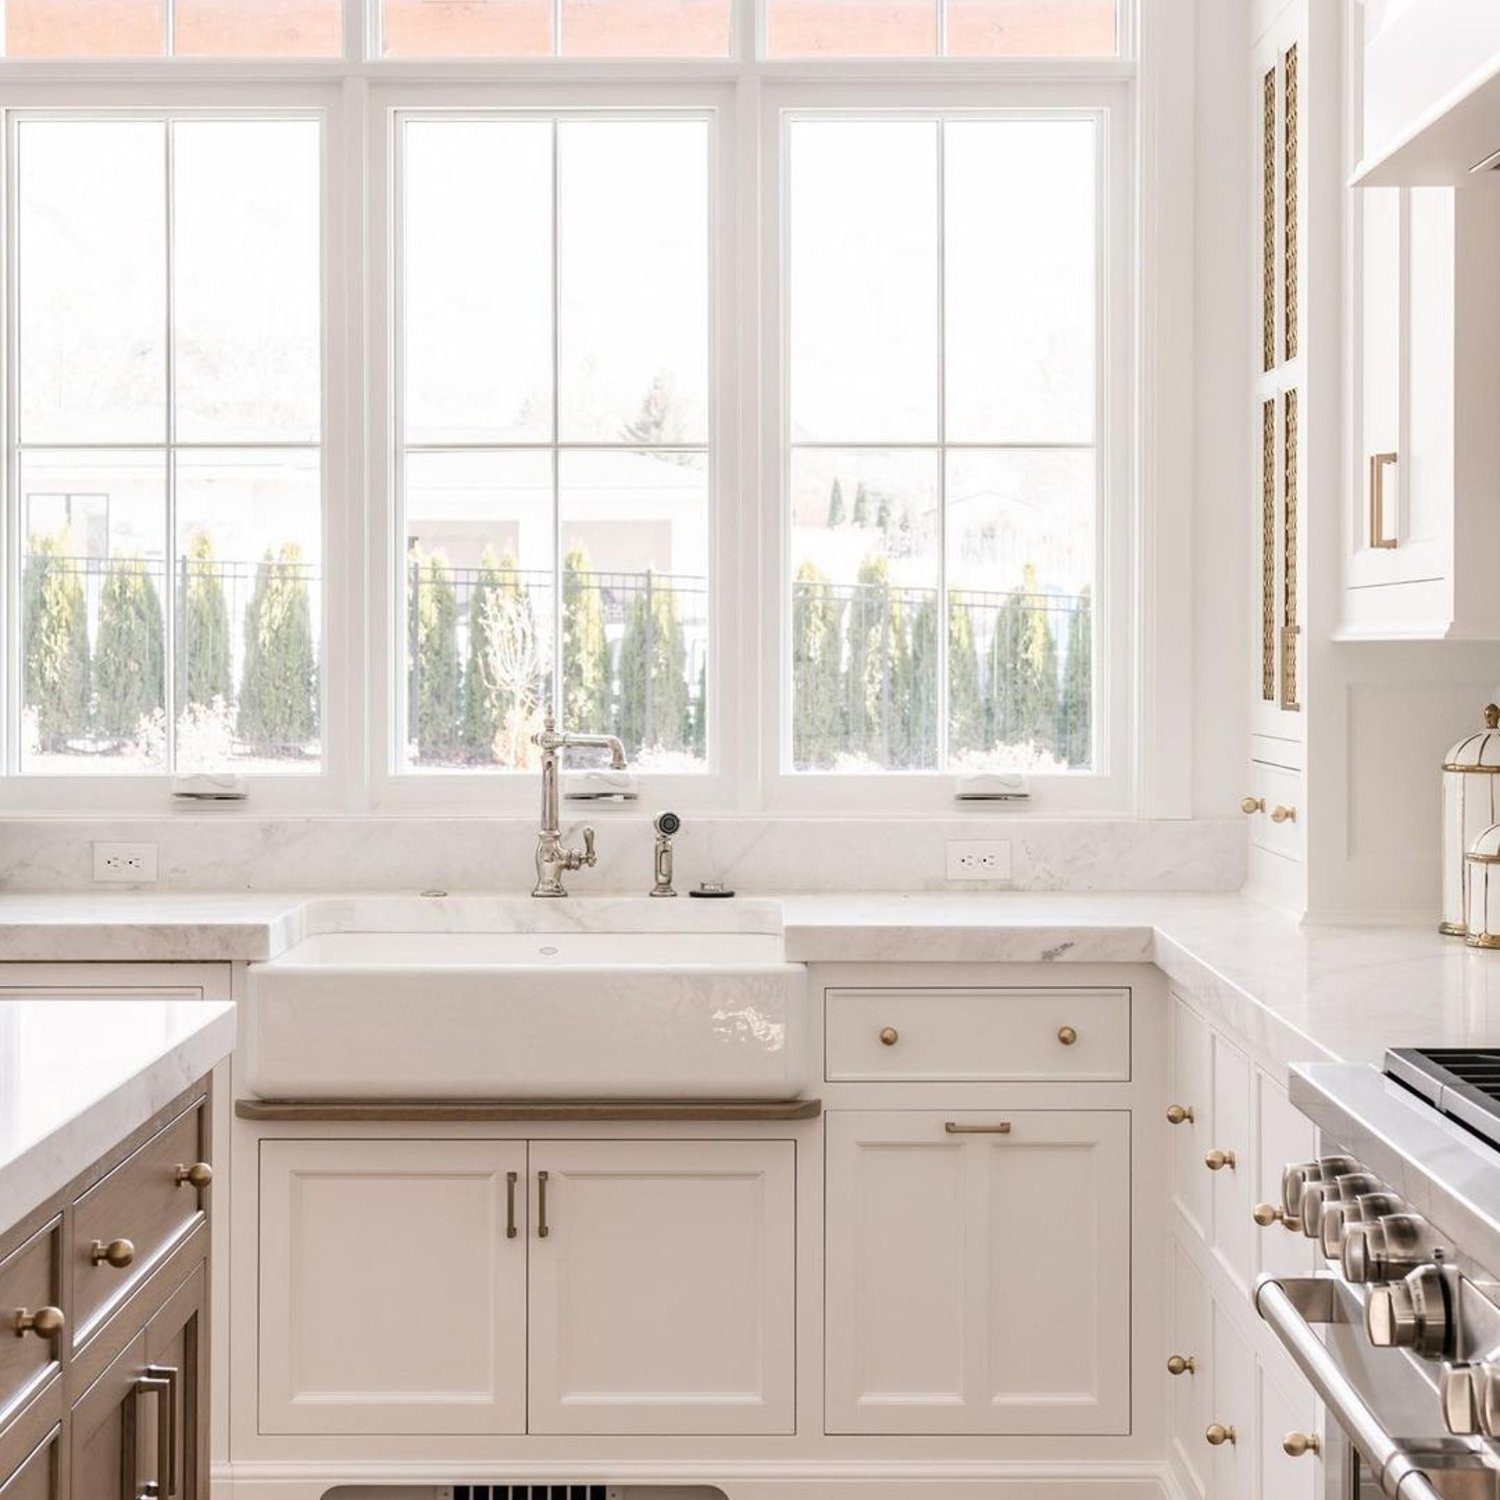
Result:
392,1296
663,1292
978,1271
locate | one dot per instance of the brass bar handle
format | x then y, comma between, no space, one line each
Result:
1180,1114
199,1175
166,1430
1182,1364
1216,1161
954,1128
510,1205
161,1388
542,1231
45,1322
1379,462
118,1253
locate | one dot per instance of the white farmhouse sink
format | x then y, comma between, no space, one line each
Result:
439,1001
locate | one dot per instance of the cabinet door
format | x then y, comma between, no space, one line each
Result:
114,1452
1288,1411
39,1476
1190,1397
1192,1090
1283,1134
392,1290
663,1287
1232,1464
33,1457
978,1272
1233,1184
177,1352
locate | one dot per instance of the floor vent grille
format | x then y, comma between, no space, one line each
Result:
530,1492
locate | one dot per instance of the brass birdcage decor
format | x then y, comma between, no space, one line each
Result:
1482,890
1471,804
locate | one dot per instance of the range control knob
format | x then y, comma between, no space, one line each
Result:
1331,1227
1410,1314
1386,1249
1294,1178
1353,1186
1485,1383
1310,1208
1460,1395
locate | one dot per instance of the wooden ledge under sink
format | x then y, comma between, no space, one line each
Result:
591,1110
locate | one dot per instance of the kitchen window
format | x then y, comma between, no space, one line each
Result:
754,382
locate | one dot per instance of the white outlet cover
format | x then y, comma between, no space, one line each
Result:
979,859
125,864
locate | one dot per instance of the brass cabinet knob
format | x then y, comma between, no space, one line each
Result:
889,1036
119,1253
1179,1114
1283,814
1267,1214
1252,804
1216,1161
1295,1444
199,1175
1182,1364
1218,1434
45,1322
1066,1035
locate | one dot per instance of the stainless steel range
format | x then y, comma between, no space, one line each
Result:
1401,1336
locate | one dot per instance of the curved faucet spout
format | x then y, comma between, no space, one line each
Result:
552,859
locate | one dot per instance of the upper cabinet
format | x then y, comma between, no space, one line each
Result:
1421,524
1431,107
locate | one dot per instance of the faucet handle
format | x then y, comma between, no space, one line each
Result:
589,857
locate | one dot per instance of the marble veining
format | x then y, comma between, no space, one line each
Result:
77,1076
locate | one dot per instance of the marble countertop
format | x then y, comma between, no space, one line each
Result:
77,1076
1298,993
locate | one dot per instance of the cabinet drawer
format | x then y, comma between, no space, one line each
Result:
978,1034
39,1475
1281,791
142,1202
30,1278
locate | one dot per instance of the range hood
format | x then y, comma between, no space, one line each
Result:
1431,94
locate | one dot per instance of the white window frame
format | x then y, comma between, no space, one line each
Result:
1144,655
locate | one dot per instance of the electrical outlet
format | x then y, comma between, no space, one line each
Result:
133,864
978,859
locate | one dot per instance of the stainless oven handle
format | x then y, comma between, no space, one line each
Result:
1291,1306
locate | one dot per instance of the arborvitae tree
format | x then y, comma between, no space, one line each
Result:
658,421
879,658
698,743
861,515
484,702
1078,684
817,670
1025,670
883,511
130,661
56,633
278,708
835,505
653,706
587,668
204,651
966,714
436,705
917,695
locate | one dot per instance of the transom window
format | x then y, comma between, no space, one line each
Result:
751,379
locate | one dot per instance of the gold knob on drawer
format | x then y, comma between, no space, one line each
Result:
199,1175
1218,1434
1066,1035
1283,814
119,1253
889,1036
1216,1161
1252,804
1295,1444
1267,1214
45,1322
1182,1364
1179,1114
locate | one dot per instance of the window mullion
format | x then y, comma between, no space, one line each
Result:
169,548
557,696
942,453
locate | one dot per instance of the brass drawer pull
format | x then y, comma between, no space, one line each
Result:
45,1322
1218,1434
199,1175
542,1230
1182,1364
1067,1035
889,1036
1379,462
954,1128
1267,1214
1179,1114
1283,814
1250,805
510,1205
119,1253
1295,1444
1216,1161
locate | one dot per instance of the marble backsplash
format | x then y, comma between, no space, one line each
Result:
236,853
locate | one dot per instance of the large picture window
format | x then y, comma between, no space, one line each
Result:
166,468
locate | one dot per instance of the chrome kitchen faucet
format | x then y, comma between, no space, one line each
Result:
552,859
